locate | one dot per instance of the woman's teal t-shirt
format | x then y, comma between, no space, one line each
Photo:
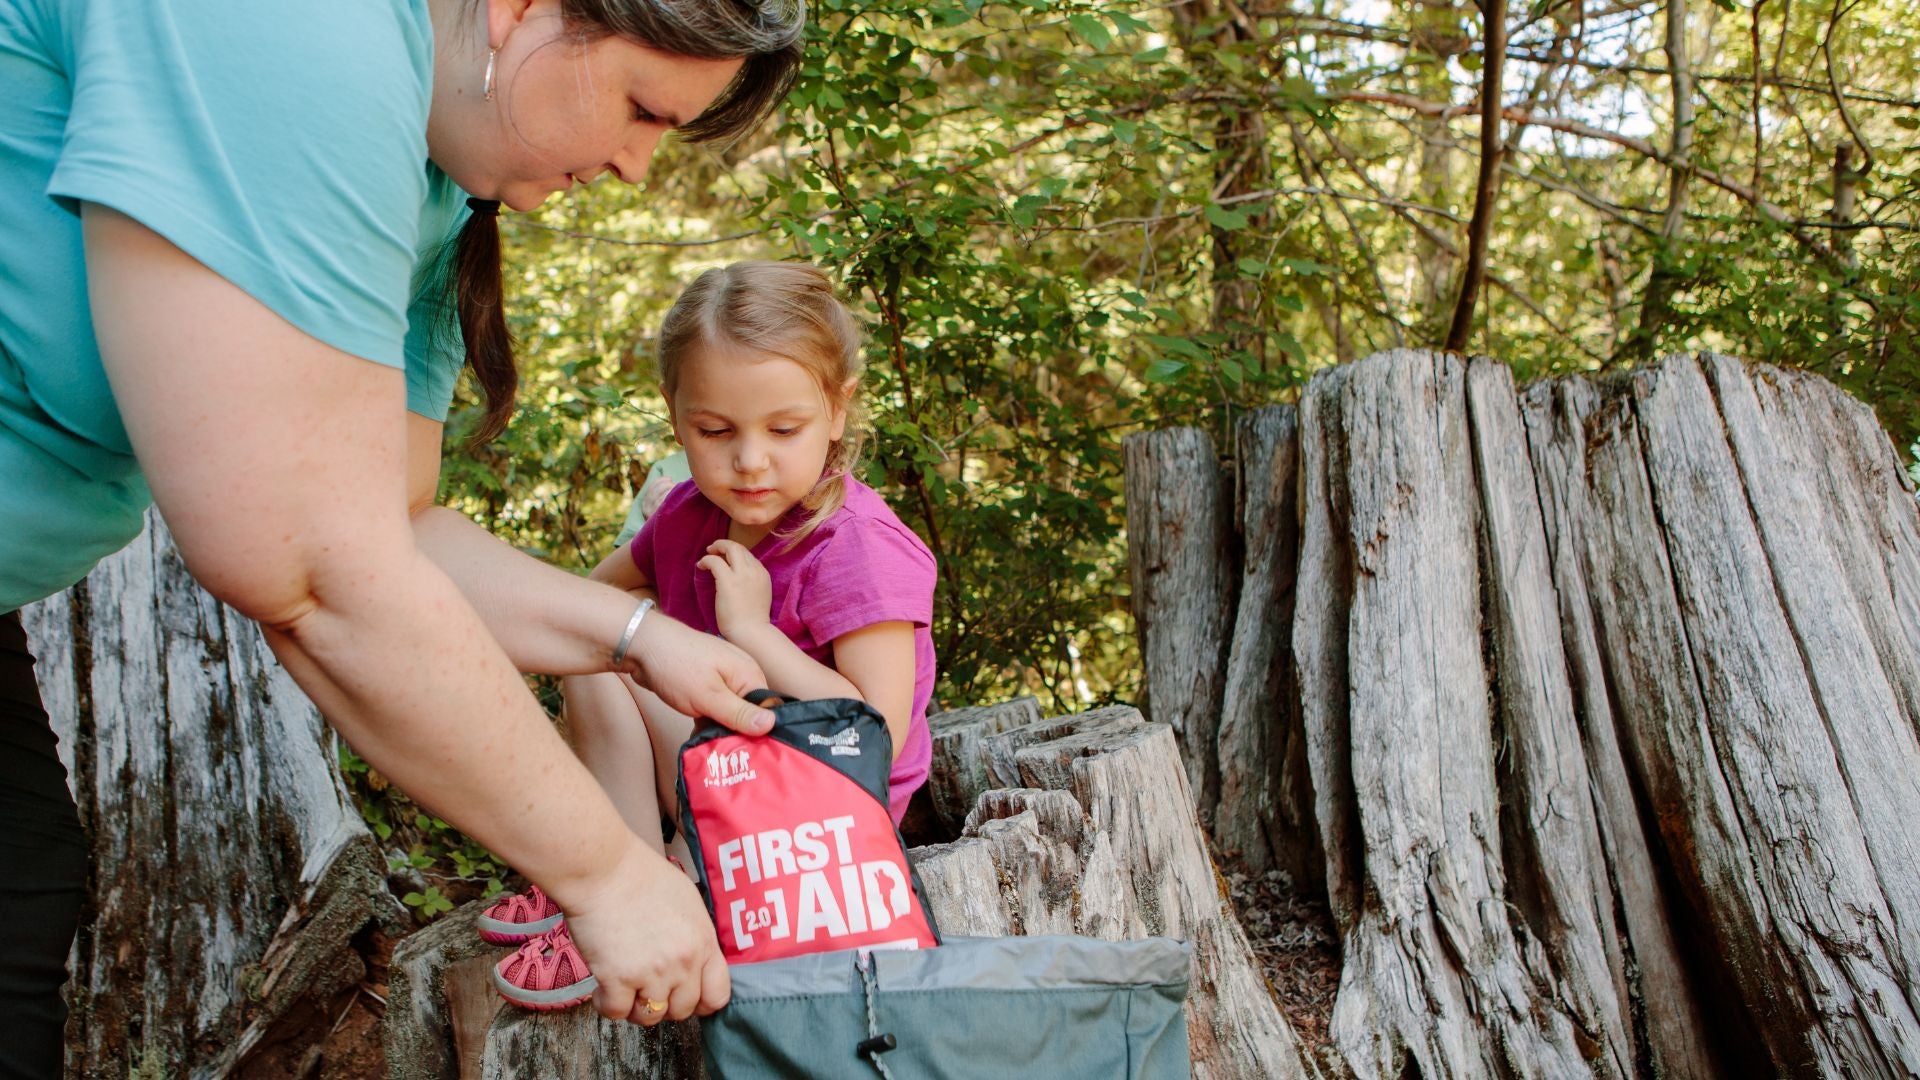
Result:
281,145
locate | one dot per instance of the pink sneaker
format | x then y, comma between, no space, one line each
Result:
518,917
546,973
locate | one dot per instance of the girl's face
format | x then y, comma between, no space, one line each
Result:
757,429
562,113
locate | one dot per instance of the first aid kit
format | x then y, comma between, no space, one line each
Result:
793,847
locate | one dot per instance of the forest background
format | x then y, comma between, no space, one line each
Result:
1066,221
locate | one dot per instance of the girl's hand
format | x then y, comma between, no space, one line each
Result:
743,592
646,936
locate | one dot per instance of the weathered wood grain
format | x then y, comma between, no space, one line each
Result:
1324,594
958,774
1180,530
1832,922
232,871
1437,975
1555,865
1103,840
1650,972
1265,810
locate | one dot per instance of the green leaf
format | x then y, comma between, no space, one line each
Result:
1222,218
1165,371
1183,346
1091,29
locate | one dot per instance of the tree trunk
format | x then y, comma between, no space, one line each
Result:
1611,697
232,874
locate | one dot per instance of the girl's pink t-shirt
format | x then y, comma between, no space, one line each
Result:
861,566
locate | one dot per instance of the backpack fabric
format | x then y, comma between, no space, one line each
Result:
794,850
1061,1007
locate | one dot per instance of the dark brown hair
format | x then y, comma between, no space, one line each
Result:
766,33
782,309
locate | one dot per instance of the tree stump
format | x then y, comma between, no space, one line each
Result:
959,771
1099,839
445,1020
1102,840
1179,528
232,873
1610,694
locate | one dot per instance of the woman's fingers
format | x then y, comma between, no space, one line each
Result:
716,985
700,675
612,1002
648,1010
649,942
685,997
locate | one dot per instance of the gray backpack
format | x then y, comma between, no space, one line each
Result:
971,1009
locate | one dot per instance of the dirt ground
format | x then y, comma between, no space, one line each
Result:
1297,948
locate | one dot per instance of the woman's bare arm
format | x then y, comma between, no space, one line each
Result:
280,465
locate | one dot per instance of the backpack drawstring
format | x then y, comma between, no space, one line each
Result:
876,1042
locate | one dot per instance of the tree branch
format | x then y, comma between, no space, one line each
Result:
1488,186
1588,131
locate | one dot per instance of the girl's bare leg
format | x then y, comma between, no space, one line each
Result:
669,729
609,734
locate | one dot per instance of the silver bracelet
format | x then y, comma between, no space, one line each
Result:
633,627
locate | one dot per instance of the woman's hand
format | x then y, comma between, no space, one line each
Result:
697,673
646,936
742,590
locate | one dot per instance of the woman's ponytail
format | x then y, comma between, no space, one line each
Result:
478,301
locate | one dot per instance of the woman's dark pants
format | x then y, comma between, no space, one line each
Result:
43,866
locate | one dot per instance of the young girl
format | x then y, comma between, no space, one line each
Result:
773,545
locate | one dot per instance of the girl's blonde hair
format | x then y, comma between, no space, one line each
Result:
782,309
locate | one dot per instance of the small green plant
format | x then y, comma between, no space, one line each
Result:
431,865
428,904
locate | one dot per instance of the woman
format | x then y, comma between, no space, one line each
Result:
222,279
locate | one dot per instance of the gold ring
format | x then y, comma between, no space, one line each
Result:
656,1006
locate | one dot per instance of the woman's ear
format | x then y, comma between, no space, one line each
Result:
502,17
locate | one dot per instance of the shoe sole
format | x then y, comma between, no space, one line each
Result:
563,997
513,933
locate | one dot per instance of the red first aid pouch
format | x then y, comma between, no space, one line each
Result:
791,839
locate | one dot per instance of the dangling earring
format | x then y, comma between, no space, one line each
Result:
491,53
